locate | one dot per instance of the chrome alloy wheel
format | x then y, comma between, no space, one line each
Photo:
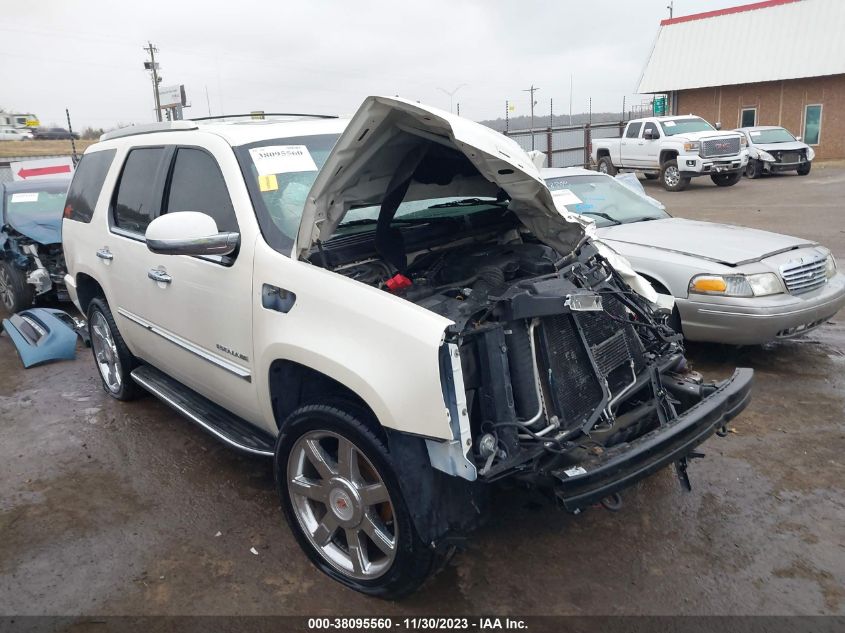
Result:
342,504
671,176
105,352
7,295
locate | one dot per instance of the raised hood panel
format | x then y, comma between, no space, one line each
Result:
386,130
731,245
42,225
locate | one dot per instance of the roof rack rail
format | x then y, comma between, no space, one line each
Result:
258,116
150,128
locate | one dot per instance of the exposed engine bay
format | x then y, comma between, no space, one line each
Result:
563,364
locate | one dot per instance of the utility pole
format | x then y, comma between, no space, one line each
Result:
531,91
153,68
570,98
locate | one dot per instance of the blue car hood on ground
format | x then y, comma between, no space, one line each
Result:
45,227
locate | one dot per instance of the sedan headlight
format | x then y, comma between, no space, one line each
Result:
810,153
758,285
692,146
765,156
830,266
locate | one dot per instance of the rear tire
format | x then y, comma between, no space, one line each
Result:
605,166
113,359
726,180
332,502
15,293
754,168
671,178
804,169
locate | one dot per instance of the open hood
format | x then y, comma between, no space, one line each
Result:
42,225
443,155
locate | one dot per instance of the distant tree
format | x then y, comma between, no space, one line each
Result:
91,133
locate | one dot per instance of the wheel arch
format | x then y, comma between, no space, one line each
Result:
667,155
602,152
87,288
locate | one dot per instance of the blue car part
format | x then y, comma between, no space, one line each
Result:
41,335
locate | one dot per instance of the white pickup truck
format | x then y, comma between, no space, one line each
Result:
675,149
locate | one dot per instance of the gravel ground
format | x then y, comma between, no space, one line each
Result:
111,508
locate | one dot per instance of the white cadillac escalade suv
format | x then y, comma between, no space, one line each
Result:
393,308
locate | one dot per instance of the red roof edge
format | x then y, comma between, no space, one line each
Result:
728,11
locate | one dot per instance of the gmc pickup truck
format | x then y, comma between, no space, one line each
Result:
675,149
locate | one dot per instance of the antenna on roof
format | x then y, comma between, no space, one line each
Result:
671,7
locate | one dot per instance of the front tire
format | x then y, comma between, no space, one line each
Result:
113,359
342,499
754,168
671,178
726,180
15,293
803,170
605,166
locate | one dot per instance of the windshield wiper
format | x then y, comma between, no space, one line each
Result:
645,218
368,221
602,215
466,202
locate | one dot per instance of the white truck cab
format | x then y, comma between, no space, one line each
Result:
674,149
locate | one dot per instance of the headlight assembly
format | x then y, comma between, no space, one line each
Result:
810,153
830,266
765,156
692,146
758,285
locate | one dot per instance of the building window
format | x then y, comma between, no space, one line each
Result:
748,117
812,124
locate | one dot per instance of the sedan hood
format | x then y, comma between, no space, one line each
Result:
789,147
386,141
722,243
42,225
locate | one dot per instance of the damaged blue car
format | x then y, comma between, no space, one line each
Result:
32,263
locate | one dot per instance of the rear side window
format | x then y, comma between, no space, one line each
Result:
633,130
135,205
197,184
87,184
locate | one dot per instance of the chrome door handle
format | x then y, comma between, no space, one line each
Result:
159,275
105,253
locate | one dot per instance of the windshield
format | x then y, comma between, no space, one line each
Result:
22,203
682,126
279,174
602,199
776,135
417,212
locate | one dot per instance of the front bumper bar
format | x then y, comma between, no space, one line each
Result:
620,467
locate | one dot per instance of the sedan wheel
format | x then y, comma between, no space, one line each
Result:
342,504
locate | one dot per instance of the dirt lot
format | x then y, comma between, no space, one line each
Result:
33,149
111,508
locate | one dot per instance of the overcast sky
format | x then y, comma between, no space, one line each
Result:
324,55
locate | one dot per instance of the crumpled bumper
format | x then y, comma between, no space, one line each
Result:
623,465
41,335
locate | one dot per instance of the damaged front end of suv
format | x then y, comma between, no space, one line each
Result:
554,370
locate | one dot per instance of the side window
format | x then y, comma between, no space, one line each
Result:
135,205
87,184
651,127
196,184
633,130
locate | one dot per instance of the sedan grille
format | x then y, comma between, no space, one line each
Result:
803,276
720,146
789,157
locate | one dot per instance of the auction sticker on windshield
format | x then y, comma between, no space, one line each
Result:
282,159
565,196
25,197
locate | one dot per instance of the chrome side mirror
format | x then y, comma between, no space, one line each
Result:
718,125
189,233
797,138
